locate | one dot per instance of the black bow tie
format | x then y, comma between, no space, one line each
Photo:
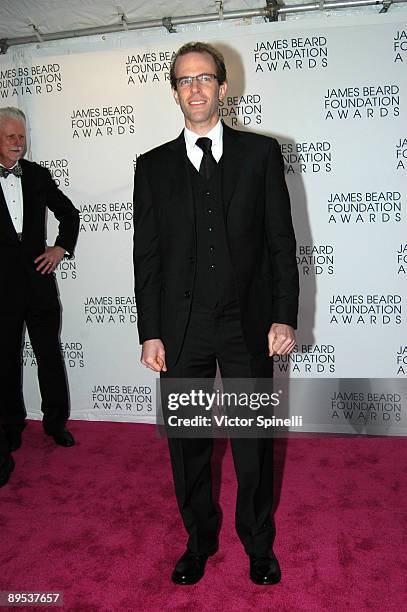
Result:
208,163
17,171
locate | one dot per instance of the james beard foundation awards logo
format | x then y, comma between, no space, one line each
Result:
362,102
30,80
126,399
355,207
109,309
73,353
400,46
401,258
401,360
106,217
301,53
307,359
303,157
67,269
59,169
148,67
246,110
365,407
315,259
102,121
401,154
367,309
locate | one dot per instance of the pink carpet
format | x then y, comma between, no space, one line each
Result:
98,522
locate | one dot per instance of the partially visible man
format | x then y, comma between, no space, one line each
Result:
216,283
28,290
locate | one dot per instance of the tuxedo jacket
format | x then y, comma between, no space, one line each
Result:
18,276
259,230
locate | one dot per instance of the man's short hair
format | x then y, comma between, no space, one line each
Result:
199,47
11,112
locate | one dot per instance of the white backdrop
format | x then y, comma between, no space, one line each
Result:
333,92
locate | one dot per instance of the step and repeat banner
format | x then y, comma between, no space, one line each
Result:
334,94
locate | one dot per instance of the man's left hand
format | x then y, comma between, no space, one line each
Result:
281,339
48,261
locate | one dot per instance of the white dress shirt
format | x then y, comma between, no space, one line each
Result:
13,194
195,153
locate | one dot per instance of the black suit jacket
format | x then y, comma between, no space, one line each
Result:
17,268
259,231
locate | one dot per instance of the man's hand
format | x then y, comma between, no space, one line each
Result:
281,339
153,355
48,261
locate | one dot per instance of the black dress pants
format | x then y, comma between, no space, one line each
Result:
4,448
214,336
43,323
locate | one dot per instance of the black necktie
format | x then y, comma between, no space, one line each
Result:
17,171
208,163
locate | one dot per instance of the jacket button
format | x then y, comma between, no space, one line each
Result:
187,294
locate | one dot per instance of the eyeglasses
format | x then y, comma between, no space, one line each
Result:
204,79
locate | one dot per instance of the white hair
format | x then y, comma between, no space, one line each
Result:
11,112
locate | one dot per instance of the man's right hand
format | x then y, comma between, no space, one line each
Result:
153,355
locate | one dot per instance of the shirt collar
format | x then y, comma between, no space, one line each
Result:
215,134
11,166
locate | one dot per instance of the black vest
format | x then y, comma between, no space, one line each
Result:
214,280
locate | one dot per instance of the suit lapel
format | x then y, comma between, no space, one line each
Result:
180,179
25,185
232,164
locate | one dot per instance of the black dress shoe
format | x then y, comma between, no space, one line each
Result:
63,437
5,470
14,437
264,570
190,568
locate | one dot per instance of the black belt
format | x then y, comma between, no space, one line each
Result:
20,236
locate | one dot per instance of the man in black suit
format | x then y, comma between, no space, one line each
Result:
216,282
28,288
